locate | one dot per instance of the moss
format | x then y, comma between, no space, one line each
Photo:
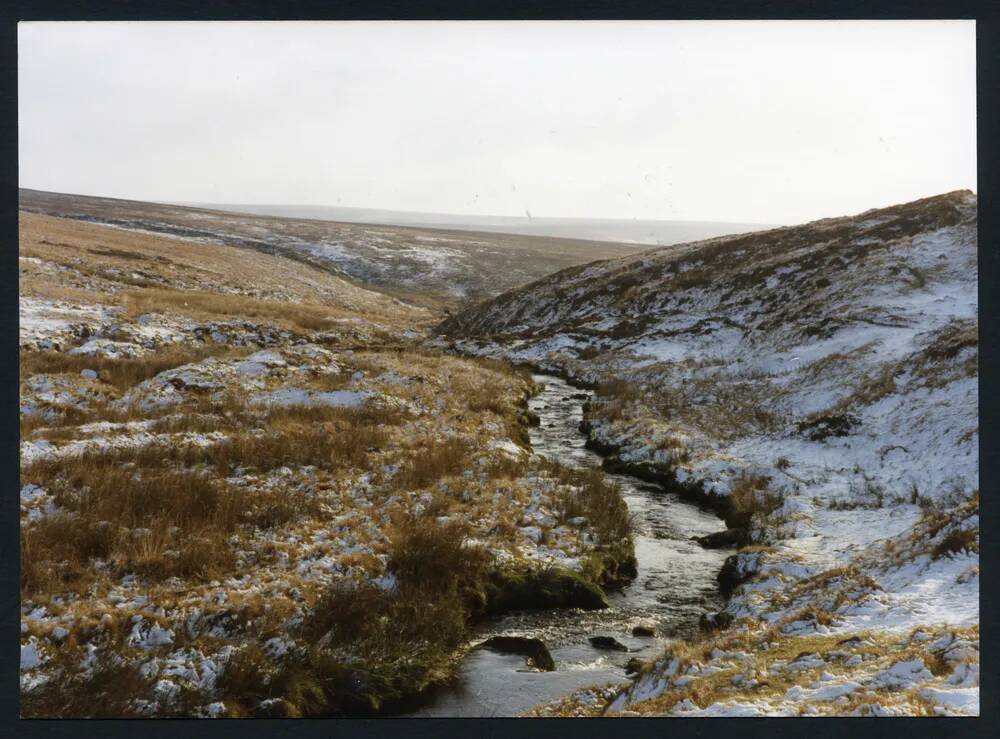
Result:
555,587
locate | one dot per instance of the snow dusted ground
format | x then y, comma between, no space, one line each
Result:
44,323
836,364
213,441
181,632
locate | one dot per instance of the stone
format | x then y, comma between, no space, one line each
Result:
633,666
533,650
607,642
723,539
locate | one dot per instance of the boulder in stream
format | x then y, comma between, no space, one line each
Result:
722,539
607,642
644,629
533,650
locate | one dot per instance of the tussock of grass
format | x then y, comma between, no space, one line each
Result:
326,448
403,638
751,494
600,502
252,677
56,550
153,521
616,394
433,461
368,414
959,540
435,557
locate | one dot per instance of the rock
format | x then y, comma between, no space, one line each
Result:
644,630
724,538
654,582
715,621
533,650
633,666
580,396
607,642
735,571
88,374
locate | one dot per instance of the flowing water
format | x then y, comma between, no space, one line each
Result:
676,583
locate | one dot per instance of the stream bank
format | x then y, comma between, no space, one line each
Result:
676,584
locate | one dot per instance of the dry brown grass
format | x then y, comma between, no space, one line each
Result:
251,677
152,521
615,397
959,540
487,404
134,498
434,460
873,388
164,509
319,446
751,494
123,373
326,437
31,285
402,639
619,389
600,502
504,367
100,261
427,555
206,305
107,693
728,406
198,414
368,414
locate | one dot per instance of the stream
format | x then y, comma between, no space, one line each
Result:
676,583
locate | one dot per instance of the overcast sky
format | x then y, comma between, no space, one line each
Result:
769,122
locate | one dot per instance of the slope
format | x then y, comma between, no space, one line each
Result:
247,490
410,262
817,384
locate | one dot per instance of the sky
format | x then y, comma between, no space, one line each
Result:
764,122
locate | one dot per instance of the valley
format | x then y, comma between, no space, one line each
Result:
287,467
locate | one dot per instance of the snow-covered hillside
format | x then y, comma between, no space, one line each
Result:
819,384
